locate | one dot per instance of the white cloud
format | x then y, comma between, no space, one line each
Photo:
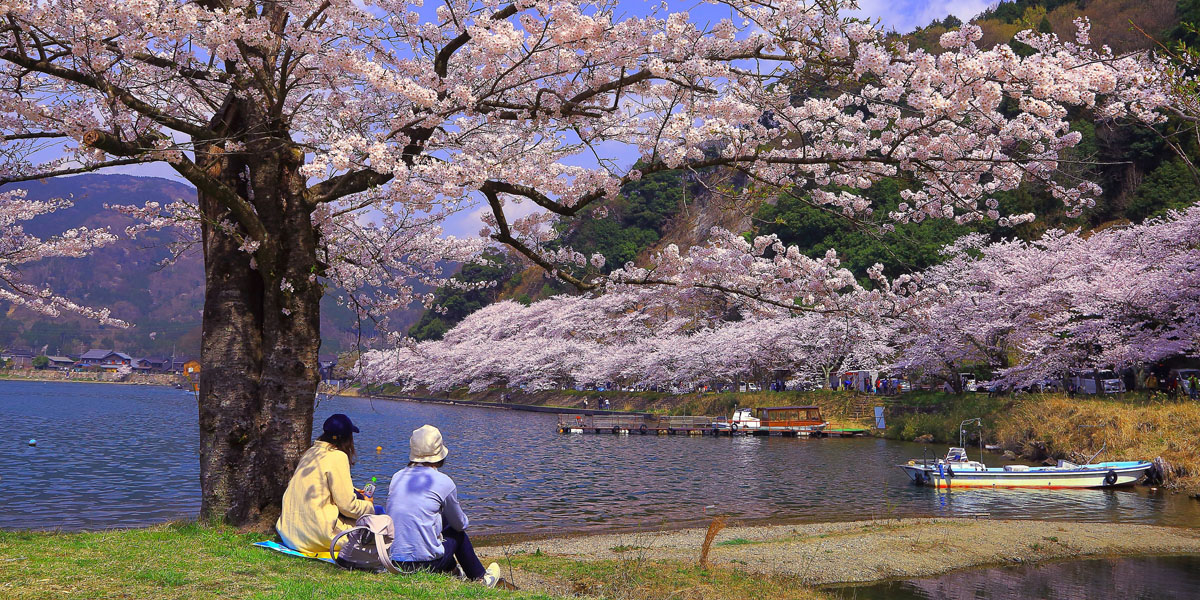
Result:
906,15
468,223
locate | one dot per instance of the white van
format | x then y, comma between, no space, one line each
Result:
968,383
1085,381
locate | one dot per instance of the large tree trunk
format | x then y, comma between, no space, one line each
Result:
261,336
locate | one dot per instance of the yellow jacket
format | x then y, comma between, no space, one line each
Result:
320,500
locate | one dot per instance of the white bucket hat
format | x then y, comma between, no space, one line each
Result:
426,445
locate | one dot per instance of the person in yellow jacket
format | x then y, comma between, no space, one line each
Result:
320,499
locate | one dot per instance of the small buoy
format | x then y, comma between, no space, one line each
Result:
32,442
378,449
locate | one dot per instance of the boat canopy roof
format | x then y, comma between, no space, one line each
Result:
789,407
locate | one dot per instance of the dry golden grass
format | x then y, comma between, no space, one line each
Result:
1067,427
713,529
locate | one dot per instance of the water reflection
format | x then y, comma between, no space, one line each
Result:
126,456
1141,578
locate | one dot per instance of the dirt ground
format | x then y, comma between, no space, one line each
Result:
828,553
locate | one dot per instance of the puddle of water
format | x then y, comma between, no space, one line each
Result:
1136,578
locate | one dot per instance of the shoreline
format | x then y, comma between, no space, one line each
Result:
859,552
40,380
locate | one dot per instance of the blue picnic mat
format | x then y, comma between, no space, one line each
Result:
276,546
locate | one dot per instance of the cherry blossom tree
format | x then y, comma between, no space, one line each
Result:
18,248
327,138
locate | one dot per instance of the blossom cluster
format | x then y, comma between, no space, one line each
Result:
18,248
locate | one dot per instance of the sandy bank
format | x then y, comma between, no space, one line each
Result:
827,553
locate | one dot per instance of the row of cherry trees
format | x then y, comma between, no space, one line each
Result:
1117,297
1024,310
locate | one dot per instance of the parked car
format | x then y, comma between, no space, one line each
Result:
968,383
991,387
1087,380
1185,377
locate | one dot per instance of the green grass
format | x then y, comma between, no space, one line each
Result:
735,542
949,411
190,561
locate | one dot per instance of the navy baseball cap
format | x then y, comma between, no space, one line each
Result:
338,424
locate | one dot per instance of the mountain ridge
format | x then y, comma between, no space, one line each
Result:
164,302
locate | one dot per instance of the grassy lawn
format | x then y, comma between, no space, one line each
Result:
189,561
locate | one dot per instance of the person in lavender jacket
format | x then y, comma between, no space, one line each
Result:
429,523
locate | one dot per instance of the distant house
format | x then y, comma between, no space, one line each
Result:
60,363
142,365
151,365
191,369
326,366
176,366
104,360
17,359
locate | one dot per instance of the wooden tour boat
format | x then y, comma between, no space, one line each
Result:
799,420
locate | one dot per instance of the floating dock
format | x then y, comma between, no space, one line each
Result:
682,425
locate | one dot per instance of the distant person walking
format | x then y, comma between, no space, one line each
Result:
1193,386
1071,390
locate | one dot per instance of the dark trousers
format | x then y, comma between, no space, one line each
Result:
458,551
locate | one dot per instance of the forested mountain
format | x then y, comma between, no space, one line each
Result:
1141,175
163,301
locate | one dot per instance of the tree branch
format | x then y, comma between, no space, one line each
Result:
70,171
441,62
345,185
504,236
36,135
242,210
124,96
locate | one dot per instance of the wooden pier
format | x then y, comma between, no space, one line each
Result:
679,425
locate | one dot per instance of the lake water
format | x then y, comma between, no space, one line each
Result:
115,455
1136,578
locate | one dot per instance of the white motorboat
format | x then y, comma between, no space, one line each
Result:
958,470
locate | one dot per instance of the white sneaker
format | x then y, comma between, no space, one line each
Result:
491,575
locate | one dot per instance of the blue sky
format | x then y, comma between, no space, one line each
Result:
901,15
